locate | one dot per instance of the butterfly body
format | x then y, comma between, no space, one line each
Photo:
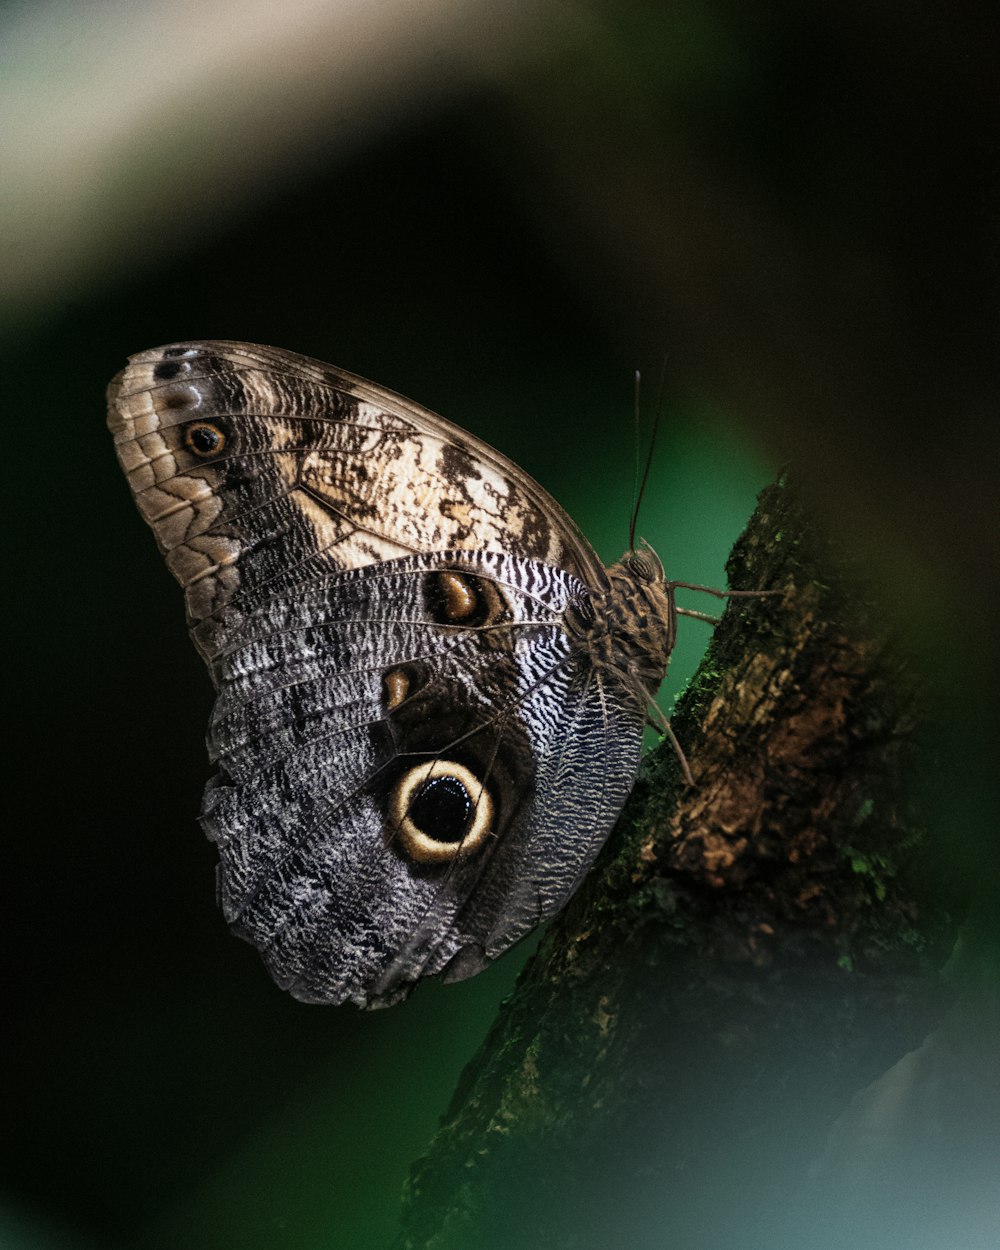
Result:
430,693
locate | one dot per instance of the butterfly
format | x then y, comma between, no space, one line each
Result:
430,692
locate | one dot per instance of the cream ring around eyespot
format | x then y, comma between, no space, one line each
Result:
419,845
204,439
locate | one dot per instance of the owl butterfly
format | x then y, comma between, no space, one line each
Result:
430,692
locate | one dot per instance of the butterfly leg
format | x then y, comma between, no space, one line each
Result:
698,616
662,724
722,594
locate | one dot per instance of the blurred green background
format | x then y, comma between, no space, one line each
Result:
500,211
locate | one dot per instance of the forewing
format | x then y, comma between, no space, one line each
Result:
259,470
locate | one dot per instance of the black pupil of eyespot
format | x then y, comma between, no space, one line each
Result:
204,439
441,809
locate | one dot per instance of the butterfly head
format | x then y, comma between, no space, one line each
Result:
643,563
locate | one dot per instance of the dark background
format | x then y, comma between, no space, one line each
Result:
794,204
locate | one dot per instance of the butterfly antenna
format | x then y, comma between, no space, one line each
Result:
634,507
637,495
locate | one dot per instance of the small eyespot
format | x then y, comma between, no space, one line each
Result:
204,439
395,687
177,397
439,811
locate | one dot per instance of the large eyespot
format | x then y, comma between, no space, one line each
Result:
204,439
439,811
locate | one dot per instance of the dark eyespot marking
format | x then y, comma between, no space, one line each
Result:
441,808
167,369
438,811
455,598
204,439
177,397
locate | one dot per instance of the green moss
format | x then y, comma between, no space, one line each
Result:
864,811
876,867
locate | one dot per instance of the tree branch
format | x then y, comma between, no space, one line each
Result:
747,954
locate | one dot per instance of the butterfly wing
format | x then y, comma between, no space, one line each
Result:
259,469
331,700
414,767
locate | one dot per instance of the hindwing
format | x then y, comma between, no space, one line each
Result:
333,700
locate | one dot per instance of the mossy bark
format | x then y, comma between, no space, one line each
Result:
748,953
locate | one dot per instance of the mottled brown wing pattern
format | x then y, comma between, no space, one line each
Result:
258,468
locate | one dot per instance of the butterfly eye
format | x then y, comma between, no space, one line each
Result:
204,439
440,811
645,565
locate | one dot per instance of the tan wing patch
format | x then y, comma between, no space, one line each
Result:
423,492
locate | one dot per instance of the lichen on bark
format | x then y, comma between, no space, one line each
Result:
748,952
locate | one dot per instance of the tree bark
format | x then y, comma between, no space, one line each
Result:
748,953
